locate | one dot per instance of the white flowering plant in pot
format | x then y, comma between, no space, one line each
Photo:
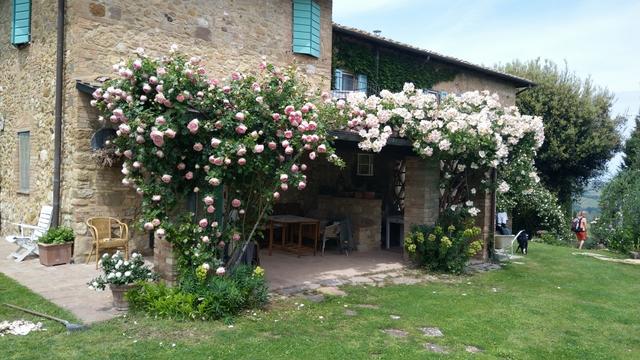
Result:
119,271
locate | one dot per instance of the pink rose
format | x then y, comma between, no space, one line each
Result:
288,109
148,226
214,181
155,222
313,125
302,185
216,160
272,145
156,198
312,155
275,117
180,98
288,150
140,139
241,129
193,126
198,147
241,151
240,116
235,203
220,271
214,224
153,80
284,177
159,154
215,142
294,168
226,89
157,137
203,223
208,200
181,166
188,175
303,167
284,143
227,161
284,186
305,109
288,134
205,239
322,148
211,209
235,237
128,154
166,178
276,195
242,161
170,133
124,128
160,120
258,148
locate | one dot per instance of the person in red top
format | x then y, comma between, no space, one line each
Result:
582,234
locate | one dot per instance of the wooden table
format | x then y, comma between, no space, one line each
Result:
287,220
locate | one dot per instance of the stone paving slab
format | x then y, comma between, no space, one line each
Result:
63,285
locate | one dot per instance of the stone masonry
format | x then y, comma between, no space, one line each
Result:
420,205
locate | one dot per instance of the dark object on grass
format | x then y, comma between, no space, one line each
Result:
523,243
70,326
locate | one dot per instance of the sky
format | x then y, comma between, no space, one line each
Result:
597,39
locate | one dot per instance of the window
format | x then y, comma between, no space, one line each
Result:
24,160
21,23
365,165
346,81
306,27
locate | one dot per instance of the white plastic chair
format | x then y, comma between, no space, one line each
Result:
331,232
27,240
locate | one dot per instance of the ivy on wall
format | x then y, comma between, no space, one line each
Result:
394,68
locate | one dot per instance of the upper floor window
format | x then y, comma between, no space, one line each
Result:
24,156
306,27
21,23
346,81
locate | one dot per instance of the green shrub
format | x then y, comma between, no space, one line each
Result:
554,239
443,248
207,297
59,235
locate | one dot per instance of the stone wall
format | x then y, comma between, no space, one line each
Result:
27,96
421,192
365,216
471,81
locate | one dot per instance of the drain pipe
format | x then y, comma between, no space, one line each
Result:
57,129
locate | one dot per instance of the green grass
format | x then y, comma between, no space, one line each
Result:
554,306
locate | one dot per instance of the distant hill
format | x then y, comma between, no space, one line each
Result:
589,203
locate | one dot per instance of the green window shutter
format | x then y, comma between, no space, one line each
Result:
21,22
306,27
24,160
337,76
362,82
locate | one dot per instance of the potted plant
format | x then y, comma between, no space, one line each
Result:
55,246
121,275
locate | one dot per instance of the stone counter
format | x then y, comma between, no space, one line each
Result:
365,216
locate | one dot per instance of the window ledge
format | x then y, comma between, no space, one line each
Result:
23,193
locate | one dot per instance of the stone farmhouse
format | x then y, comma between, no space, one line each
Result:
48,128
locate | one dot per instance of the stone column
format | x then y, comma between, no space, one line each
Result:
485,220
164,262
422,192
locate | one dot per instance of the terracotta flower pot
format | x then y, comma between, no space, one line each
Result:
118,291
55,254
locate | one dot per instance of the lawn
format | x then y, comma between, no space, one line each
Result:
554,306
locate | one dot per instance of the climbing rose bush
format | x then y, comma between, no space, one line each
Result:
467,133
234,145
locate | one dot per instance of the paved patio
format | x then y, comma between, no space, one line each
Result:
63,285
284,270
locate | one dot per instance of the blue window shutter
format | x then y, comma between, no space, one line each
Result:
24,154
21,22
337,76
362,82
306,27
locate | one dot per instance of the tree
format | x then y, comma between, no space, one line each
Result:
580,134
631,151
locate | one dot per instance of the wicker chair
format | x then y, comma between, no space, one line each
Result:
108,233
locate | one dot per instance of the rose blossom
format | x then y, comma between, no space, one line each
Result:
294,168
322,148
148,226
166,178
303,167
193,126
208,200
235,203
302,185
241,151
284,177
128,154
203,223
258,148
240,116
215,142
157,138
160,120
235,237
220,271
155,222
156,197
205,239
288,134
170,133
211,209
159,154
241,129
312,155
276,195
181,166
188,175
288,150
284,186
242,161
275,116
214,181
227,161
272,145
197,147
